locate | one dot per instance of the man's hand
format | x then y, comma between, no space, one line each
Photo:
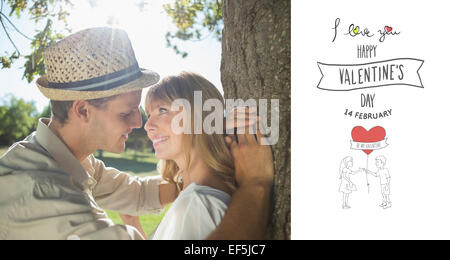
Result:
248,213
253,162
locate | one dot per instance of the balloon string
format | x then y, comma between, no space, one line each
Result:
367,179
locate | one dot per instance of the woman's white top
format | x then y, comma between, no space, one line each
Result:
196,212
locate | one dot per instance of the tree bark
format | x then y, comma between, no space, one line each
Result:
256,64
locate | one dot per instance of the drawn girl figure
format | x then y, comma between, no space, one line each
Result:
346,186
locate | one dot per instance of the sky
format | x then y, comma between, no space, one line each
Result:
146,30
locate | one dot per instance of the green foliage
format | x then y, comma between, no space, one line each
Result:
18,119
41,12
195,20
34,64
7,60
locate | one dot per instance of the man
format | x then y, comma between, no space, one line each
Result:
52,187
385,180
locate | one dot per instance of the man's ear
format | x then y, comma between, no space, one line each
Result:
81,110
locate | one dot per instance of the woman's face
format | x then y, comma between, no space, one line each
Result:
167,143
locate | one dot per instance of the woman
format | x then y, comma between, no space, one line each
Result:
347,186
200,164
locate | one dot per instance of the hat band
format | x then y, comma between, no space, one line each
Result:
104,82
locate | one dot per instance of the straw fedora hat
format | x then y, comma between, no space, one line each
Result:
93,63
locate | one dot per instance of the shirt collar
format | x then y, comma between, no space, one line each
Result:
62,155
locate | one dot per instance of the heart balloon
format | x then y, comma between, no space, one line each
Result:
375,134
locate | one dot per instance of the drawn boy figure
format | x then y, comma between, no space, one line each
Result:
385,180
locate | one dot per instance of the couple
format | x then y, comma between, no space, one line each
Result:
52,187
347,186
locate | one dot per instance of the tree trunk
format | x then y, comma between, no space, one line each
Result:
256,64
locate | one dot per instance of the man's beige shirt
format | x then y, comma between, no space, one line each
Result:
45,193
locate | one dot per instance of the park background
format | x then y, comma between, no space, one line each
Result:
241,46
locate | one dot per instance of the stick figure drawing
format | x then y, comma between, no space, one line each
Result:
346,186
385,180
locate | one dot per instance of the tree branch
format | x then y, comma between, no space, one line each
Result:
15,28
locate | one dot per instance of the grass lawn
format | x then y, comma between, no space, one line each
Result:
134,163
149,221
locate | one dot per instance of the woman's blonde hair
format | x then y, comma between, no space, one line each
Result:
211,147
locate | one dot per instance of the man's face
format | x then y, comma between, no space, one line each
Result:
110,125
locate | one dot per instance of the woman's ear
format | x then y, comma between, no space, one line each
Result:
80,110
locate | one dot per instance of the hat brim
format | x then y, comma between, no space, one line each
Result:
146,79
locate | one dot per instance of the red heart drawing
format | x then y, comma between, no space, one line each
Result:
388,28
360,134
